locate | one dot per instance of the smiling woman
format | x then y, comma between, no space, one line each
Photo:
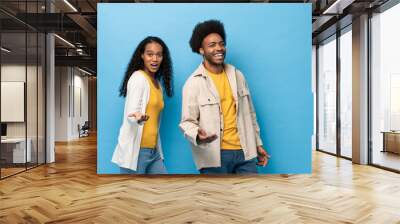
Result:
150,63
152,58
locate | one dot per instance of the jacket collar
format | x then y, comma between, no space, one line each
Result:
201,70
230,71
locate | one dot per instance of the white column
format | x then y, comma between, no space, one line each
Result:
360,90
50,110
50,92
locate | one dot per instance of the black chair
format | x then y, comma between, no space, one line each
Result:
84,130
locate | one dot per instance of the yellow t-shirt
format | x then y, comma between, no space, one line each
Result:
230,139
153,110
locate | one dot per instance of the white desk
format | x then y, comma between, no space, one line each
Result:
18,149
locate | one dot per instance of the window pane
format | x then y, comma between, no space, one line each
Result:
346,94
31,100
327,96
386,89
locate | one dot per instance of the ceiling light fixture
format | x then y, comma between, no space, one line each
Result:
5,50
65,41
338,6
84,71
70,5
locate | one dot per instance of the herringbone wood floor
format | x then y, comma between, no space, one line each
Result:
70,191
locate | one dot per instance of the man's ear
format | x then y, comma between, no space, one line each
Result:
201,51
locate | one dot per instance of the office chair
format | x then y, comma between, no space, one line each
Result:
84,130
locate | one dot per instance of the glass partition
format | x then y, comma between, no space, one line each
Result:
385,89
327,95
13,104
22,87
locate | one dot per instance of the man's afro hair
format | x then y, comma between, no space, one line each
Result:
201,30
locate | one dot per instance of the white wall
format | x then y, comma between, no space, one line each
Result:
80,110
71,94
16,72
61,103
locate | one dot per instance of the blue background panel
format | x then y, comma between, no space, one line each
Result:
269,43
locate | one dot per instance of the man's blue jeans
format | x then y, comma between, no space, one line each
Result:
232,162
150,162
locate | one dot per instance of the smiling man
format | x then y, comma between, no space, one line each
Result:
218,115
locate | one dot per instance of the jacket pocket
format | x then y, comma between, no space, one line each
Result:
243,108
207,101
209,119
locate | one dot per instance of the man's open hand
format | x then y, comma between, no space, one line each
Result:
202,137
262,156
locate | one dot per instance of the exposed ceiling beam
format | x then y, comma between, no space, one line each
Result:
320,22
83,61
73,13
86,26
91,5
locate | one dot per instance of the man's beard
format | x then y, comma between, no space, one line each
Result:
209,59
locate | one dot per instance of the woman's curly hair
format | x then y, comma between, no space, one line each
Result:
164,73
201,30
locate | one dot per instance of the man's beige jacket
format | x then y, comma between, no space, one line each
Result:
201,108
